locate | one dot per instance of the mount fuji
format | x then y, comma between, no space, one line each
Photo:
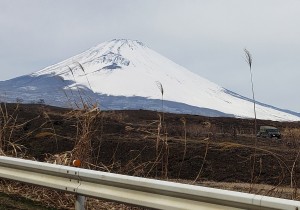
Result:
126,74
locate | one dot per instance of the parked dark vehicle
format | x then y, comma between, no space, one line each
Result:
269,132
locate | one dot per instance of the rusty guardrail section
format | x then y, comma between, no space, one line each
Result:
138,191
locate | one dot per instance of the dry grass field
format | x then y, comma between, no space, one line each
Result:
215,152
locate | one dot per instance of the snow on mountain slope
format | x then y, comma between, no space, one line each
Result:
127,68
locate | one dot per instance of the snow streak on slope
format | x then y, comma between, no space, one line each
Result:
131,69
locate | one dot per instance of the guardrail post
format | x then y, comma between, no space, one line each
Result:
80,199
79,203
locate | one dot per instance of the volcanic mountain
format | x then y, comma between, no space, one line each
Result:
126,74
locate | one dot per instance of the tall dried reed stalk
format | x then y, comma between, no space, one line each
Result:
183,120
84,99
162,152
248,58
204,160
87,79
161,89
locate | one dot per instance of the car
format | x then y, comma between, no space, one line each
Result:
269,132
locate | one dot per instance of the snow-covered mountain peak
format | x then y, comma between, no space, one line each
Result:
130,43
128,68
108,55
117,46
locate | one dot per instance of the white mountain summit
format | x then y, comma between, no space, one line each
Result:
123,74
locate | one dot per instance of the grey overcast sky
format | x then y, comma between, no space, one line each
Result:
205,36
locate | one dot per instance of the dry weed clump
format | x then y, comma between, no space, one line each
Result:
8,126
49,198
156,130
64,158
291,133
56,199
204,129
114,116
86,127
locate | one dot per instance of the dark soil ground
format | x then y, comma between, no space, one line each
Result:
165,146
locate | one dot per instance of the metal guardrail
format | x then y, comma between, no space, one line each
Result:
138,191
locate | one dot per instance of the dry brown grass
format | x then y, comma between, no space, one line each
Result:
8,126
86,127
260,189
291,133
56,199
87,123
